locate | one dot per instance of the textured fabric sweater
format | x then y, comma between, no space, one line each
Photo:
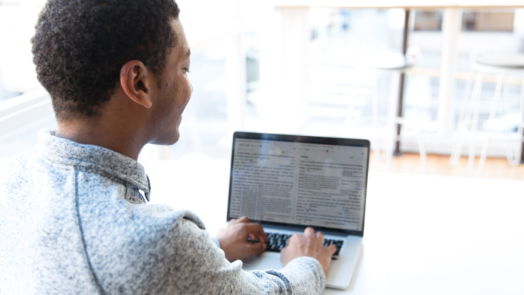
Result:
74,219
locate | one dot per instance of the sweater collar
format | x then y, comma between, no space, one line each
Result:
95,158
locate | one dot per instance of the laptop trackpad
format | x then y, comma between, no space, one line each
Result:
340,272
266,260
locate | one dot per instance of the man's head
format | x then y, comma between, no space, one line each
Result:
97,58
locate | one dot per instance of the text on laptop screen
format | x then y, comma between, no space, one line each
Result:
299,183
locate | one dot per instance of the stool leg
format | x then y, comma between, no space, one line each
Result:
392,108
520,129
462,125
493,111
458,139
514,159
422,151
474,124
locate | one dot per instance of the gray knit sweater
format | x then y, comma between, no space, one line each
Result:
74,220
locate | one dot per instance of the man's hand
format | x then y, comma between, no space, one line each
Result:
308,244
234,239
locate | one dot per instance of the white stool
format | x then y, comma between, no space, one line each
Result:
469,113
393,64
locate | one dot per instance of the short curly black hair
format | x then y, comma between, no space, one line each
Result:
80,46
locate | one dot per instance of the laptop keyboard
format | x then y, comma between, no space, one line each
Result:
275,242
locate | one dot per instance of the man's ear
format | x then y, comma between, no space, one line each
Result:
136,81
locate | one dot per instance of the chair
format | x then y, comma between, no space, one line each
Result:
468,123
393,64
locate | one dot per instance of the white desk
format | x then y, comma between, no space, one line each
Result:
423,234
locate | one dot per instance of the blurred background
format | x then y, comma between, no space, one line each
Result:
338,70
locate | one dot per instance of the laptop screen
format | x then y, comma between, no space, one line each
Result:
296,180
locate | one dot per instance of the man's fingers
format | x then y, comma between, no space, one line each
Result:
292,239
243,219
309,231
320,236
257,248
332,249
255,228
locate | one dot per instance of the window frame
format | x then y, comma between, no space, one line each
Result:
21,111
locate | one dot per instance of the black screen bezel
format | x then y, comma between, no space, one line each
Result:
303,139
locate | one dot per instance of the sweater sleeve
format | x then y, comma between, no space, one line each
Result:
172,253
208,272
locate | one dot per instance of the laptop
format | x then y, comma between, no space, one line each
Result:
288,182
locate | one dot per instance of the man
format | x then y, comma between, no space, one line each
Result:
74,218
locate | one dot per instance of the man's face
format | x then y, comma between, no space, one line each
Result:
174,92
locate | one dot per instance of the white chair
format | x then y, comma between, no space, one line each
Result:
393,64
468,123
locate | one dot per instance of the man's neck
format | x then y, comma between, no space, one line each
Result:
113,136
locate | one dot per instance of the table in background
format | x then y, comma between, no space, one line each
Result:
423,234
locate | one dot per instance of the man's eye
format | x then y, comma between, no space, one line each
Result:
186,70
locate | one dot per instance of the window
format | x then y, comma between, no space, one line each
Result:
487,21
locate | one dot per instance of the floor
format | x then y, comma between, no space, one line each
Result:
439,165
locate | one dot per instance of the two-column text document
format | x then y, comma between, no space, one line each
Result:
299,183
